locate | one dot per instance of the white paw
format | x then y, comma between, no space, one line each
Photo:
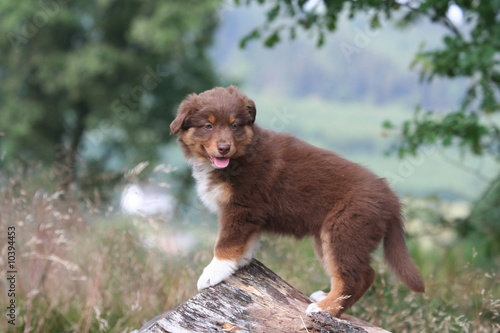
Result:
313,308
216,272
318,296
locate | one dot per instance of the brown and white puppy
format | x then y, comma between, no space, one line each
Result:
258,181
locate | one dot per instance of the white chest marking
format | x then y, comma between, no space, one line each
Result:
209,193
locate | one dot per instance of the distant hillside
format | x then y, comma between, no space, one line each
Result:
356,63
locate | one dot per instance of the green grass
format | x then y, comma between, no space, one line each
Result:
83,269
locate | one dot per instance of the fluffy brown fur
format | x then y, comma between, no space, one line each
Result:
258,180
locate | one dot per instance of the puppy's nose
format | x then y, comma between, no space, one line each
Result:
223,148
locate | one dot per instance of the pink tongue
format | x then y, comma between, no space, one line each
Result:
221,162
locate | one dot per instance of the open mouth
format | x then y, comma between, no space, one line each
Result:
220,162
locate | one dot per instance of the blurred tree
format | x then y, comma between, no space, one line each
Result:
470,49
95,82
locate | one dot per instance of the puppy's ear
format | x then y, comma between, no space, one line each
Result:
249,104
187,106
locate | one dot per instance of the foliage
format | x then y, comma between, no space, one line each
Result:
483,222
90,83
470,50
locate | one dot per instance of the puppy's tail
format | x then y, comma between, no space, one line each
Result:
396,254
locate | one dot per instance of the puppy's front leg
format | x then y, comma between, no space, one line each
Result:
235,246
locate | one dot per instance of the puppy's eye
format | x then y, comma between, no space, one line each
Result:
208,126
234,126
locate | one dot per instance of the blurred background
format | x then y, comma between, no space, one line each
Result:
108,230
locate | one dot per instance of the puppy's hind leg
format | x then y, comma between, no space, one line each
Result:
332,302
318,250
350,274
368,276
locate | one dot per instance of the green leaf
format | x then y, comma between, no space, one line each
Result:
388,125
375,22
272,40
255,34
321,39
273,13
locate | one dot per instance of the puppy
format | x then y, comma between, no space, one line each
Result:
258,181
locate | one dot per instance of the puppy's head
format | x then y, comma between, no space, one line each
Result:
215,126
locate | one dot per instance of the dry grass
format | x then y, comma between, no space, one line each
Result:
82,269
